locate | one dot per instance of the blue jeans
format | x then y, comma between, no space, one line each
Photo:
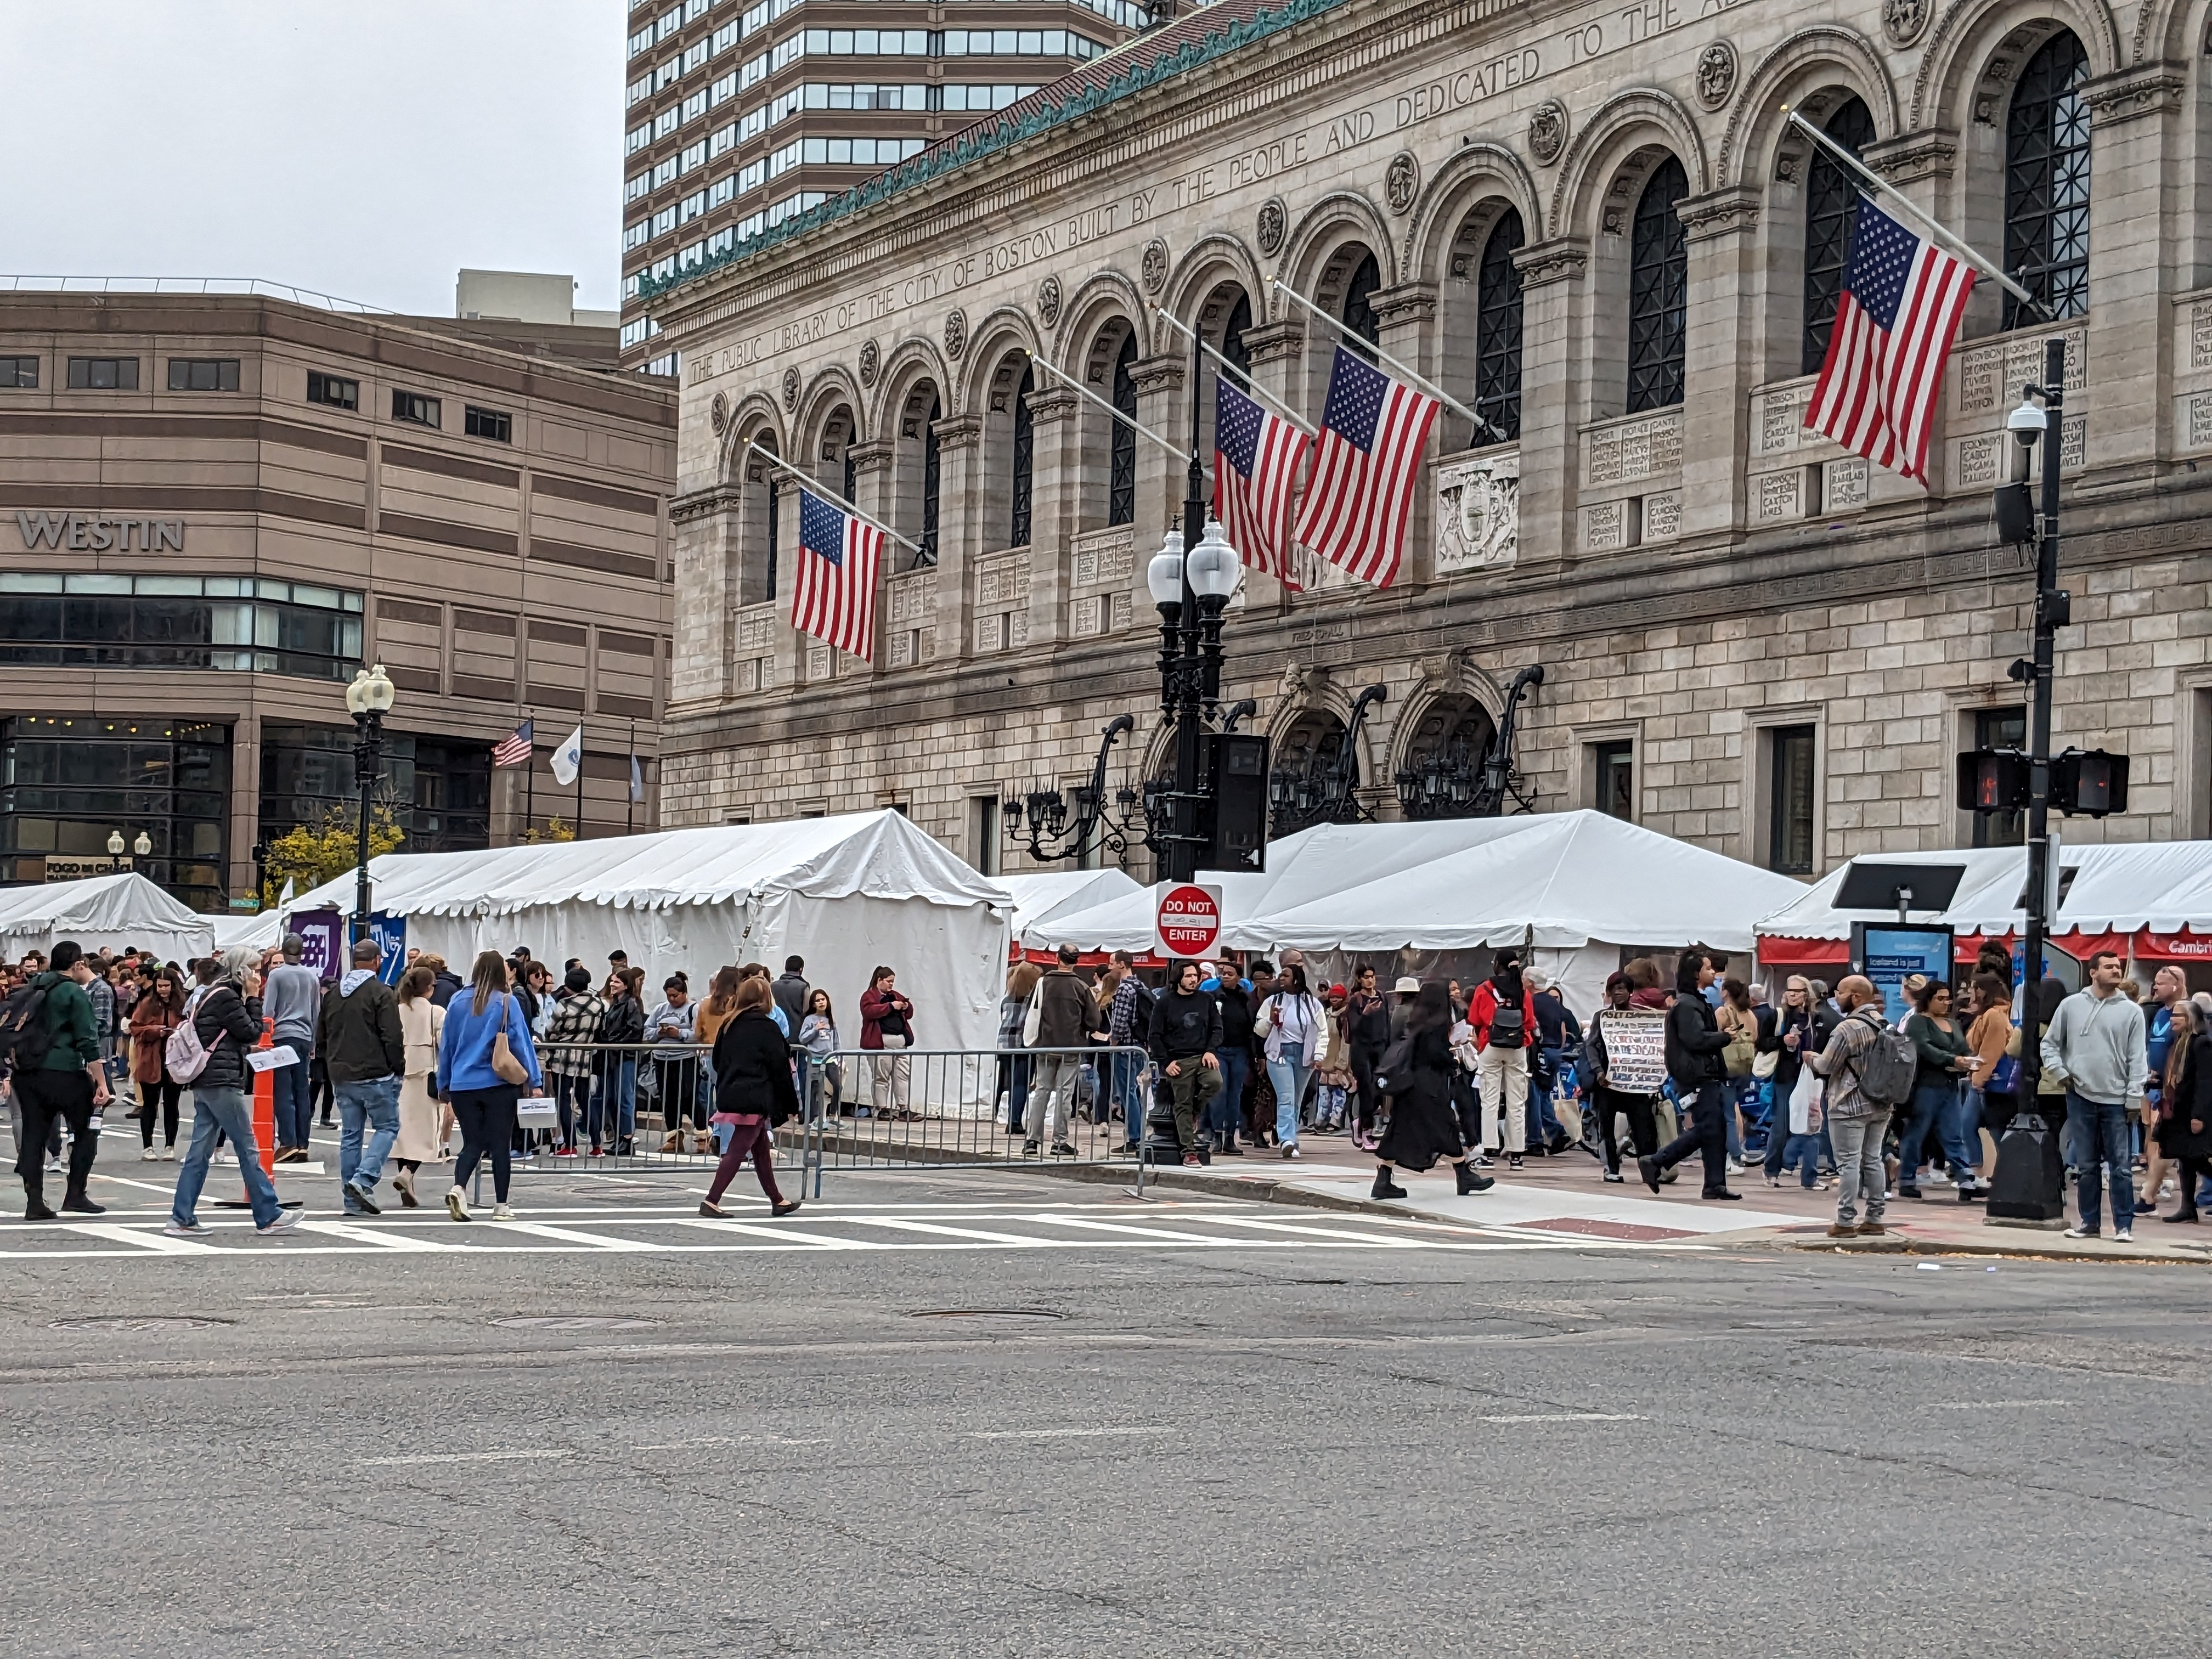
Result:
2100,1131
1960,1123
1129,1093
374,1105
1928,1102
617,1079
224,1109
294,1113
1802,1152
1228,1108
1289,1077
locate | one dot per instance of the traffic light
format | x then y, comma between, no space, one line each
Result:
1993,781
2089,782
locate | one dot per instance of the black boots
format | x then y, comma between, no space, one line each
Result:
1470,1181
1383,1186
78,1201
34,1202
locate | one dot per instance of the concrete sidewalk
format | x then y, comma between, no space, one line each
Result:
1568,1196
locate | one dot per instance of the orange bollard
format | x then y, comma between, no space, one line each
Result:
265,1107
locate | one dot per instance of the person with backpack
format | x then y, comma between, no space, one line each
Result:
51,1044
1503,1018
1694,1045
1128,1025
208,1054
1870,1069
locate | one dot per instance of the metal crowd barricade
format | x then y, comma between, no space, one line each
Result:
631,1099
936,1109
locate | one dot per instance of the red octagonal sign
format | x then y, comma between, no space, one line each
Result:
1189,921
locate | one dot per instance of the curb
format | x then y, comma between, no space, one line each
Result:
2022,1251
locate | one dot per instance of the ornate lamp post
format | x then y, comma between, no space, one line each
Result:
369,700
1050,834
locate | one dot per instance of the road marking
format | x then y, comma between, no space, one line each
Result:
123,1181
1992,1405
949,1232
390,1238
1061,1434
727,1440
569,1235
790,1236
1563,1416
159,1244
460,1457
1088,1226
1313,1232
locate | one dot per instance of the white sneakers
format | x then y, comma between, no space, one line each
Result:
283,1222
457,1204
502,1213
150,1156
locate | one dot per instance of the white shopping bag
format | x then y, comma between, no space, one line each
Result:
537,1112
1805,1103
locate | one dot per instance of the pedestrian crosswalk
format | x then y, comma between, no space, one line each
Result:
821,1229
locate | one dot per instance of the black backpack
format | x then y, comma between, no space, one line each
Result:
26,1039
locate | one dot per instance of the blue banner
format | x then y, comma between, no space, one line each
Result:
390,933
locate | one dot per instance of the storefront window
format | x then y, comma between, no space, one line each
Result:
67,784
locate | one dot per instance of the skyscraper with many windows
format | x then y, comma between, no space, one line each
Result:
739,113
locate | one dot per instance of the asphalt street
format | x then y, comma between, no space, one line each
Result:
1006,1414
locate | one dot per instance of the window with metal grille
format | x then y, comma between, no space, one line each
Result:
1233,340
2047,183
930,473
2000,728
775,531
1358,313
1789,803
1658,287
1498,329
1122,454
1831,208
1017,532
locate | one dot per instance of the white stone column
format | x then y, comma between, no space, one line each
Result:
1055,467
705,529
1274,349
1717,370
871,493
1553,293
959,454
1405,319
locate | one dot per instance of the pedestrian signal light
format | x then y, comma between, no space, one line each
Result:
2089,782
1993,781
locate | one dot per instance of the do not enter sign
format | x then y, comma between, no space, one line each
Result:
1189,921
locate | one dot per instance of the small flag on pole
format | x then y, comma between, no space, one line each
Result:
514,749
1365,469
835,596
568,758
1902,301
636,778
1256,457
285,897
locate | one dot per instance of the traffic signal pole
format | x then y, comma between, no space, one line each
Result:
2028,1185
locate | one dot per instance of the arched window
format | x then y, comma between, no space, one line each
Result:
1832,208
1121,463
1017,532
1358,315
1498,329
2047,182
1232,338
929,477
851,472
1658,287
774,533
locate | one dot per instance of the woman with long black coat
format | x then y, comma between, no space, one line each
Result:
753,1093
2184,1126
1424,1126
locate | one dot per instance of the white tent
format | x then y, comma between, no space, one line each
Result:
1575,887
1039,894
2155,891
846,893
115,911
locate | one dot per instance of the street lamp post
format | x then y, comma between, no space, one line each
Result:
2028,1184
369,700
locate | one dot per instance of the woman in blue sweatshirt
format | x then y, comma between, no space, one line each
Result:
483,1101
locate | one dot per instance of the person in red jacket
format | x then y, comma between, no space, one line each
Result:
1504,1018
887,1022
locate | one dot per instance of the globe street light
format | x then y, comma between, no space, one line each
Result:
369,700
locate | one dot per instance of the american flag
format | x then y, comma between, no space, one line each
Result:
1365,468
1901,304
1256,457
836,596
514,748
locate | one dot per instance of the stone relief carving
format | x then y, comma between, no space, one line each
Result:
1478,513
1547,130
718,412
1048,302
869,362
1902,20
1716,74
790,389
1274,225
1154,267
955,332
1402,182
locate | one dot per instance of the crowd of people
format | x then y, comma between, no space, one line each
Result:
1829,1087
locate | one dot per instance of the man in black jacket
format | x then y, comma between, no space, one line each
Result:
1694,1041
1186,1030
358,1036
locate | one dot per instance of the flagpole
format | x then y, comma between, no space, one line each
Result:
630,805
1421,382
1891,192
579,835
1084,392
529,778
1244,376
782,466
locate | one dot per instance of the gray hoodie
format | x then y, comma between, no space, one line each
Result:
2096,1045
292,998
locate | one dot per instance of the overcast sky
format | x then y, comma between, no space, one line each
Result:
366,149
